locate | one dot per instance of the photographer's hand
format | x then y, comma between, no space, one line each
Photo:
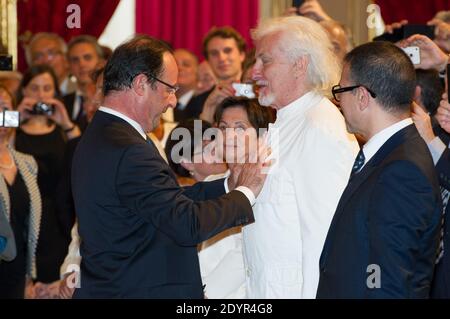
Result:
220,92
431,56
25,107
61,117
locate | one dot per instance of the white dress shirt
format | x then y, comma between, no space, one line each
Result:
314,155
377,141
221,261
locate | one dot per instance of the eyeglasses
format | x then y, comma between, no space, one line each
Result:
46,55
173,88
338,89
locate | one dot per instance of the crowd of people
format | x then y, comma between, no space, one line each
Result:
344,196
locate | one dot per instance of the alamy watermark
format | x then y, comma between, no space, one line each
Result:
374,279
73,21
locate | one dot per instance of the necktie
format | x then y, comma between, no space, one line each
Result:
359,162
445,196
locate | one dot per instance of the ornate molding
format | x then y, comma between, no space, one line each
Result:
8,27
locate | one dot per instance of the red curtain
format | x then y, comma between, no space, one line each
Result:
50,16
415,11
183,23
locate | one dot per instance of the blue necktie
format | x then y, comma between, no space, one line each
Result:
359,162
3,242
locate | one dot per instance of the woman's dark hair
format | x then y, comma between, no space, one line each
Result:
33,72
194,130
258,116
13,99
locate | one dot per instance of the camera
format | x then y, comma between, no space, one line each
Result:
297,4
406,31
9,118
413,53
41,108
6,63
243,89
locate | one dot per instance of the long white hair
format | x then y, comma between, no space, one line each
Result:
305,37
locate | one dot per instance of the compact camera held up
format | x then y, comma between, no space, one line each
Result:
41,108
243,89
6,63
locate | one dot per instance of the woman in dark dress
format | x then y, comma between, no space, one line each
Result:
20,203
44,135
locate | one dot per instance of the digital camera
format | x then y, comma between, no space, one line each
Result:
243,89
6,63
41,108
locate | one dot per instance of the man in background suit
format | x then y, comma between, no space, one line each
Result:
439,148
224,49
139,229
85,56
383,240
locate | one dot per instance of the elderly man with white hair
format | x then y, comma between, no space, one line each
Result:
295,69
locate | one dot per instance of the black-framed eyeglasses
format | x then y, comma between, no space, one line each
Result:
338,89
173,88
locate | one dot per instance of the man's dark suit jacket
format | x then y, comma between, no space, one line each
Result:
193,108
441,281
80,120
389,215
138,228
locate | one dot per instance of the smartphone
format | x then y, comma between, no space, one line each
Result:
6,62
297,4
411,29
244,89
448,82
406,31
11,118
413,53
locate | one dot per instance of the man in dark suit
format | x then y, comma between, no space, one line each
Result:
441,282
439,145
224,48
139,229
85,55
384,236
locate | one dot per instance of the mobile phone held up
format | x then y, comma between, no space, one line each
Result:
297,4
413,53
448,82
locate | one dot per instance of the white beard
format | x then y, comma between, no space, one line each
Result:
266,100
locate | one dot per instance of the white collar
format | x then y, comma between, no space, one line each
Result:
376,142
133,123
186,97
299,106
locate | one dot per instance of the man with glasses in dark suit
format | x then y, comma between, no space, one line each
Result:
139,230
384,236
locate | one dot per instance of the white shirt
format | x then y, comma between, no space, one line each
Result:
376,142
76,104
221,261
68,85
132,122
314,155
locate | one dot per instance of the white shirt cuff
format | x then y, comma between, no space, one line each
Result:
225,185
248,193
436,147
243,189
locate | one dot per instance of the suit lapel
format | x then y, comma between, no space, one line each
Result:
357,180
